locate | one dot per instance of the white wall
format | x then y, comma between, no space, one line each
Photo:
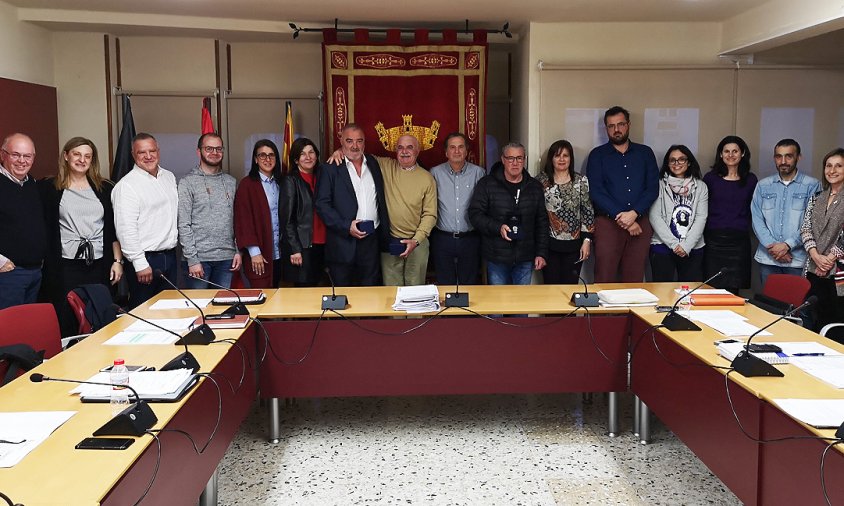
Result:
25,50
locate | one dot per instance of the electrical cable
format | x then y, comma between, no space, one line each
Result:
155,471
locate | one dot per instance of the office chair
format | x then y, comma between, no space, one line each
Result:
834,331
35,325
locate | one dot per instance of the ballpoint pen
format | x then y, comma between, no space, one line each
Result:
809,355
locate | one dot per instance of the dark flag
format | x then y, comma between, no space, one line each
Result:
123,161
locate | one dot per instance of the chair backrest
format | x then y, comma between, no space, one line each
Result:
788,288
93,307
834,331
32,324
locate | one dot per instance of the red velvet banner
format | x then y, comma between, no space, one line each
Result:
391,88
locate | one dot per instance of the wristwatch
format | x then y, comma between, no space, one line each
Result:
118,261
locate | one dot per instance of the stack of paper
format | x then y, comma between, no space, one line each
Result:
627,297
726,322
148,384
730,350
417,299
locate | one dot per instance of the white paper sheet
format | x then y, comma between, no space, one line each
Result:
179,304
31,428
828,369
131,338
820,413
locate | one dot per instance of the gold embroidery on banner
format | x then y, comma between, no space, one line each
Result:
379,61
340,110
472,115
338,60
473,59
433,61
427,136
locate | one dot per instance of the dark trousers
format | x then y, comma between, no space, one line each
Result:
730,249
75,273
619,256
456,257
19,286
560,268
162,262
365,269
664,266
830,307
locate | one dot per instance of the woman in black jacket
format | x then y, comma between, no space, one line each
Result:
83,248
303,232
508,209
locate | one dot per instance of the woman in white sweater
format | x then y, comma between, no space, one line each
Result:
678,217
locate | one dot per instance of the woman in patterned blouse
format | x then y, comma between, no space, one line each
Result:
570,215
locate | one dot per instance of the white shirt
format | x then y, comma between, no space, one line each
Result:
364,192
145,214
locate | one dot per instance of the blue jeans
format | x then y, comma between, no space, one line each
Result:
19,286
766,270
504,274
216,271
161,262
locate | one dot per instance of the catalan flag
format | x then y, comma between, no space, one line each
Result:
288,136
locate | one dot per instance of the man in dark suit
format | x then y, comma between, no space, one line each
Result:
350,201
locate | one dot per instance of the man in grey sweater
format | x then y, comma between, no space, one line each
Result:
206,210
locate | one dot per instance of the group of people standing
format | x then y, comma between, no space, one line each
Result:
370,220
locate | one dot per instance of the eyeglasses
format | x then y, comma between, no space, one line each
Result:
618,126
213,149
265,156
678,161
514,159
28,157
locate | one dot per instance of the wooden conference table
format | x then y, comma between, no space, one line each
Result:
55,473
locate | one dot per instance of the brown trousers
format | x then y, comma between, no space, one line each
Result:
620,257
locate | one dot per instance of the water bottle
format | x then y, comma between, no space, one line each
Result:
685,300
119,375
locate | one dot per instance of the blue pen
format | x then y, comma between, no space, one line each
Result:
808,355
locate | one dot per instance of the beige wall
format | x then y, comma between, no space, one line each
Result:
27,52
79,68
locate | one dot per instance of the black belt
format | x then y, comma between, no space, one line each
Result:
164,251
458,235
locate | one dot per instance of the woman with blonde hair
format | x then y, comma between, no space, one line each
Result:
83,248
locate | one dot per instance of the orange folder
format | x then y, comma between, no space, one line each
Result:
717,300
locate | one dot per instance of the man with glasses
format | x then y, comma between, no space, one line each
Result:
23,232
778,204
623,183
145,205
206,218
508,209
350,200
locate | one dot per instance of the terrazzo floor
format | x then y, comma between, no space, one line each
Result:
460,450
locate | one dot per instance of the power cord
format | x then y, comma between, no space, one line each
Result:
157,466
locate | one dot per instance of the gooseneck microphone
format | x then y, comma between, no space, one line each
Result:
456,298
674,321
237,308
584,298
749,365
333,302
132,421
184,360
201,334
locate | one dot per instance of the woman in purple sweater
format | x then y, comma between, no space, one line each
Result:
727,233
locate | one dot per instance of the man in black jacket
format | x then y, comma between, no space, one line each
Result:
508,209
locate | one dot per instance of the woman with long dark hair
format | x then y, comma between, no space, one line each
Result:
303,232
83,248
727,232
570,215
257,216
678,216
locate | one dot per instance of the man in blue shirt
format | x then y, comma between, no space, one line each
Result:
623,183
777,208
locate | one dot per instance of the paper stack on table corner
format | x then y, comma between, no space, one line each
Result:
627,297
417,299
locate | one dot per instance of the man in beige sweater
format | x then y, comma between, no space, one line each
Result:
412,207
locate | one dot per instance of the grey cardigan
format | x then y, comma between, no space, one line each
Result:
822,228
660,216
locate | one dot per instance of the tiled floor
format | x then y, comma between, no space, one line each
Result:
473,450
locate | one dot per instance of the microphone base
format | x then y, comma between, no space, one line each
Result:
673,321
750,367
457,299
202,334
184,360
334,302
585,299
237,309
839,434
132,421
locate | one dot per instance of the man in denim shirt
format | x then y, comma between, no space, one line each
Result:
778,205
